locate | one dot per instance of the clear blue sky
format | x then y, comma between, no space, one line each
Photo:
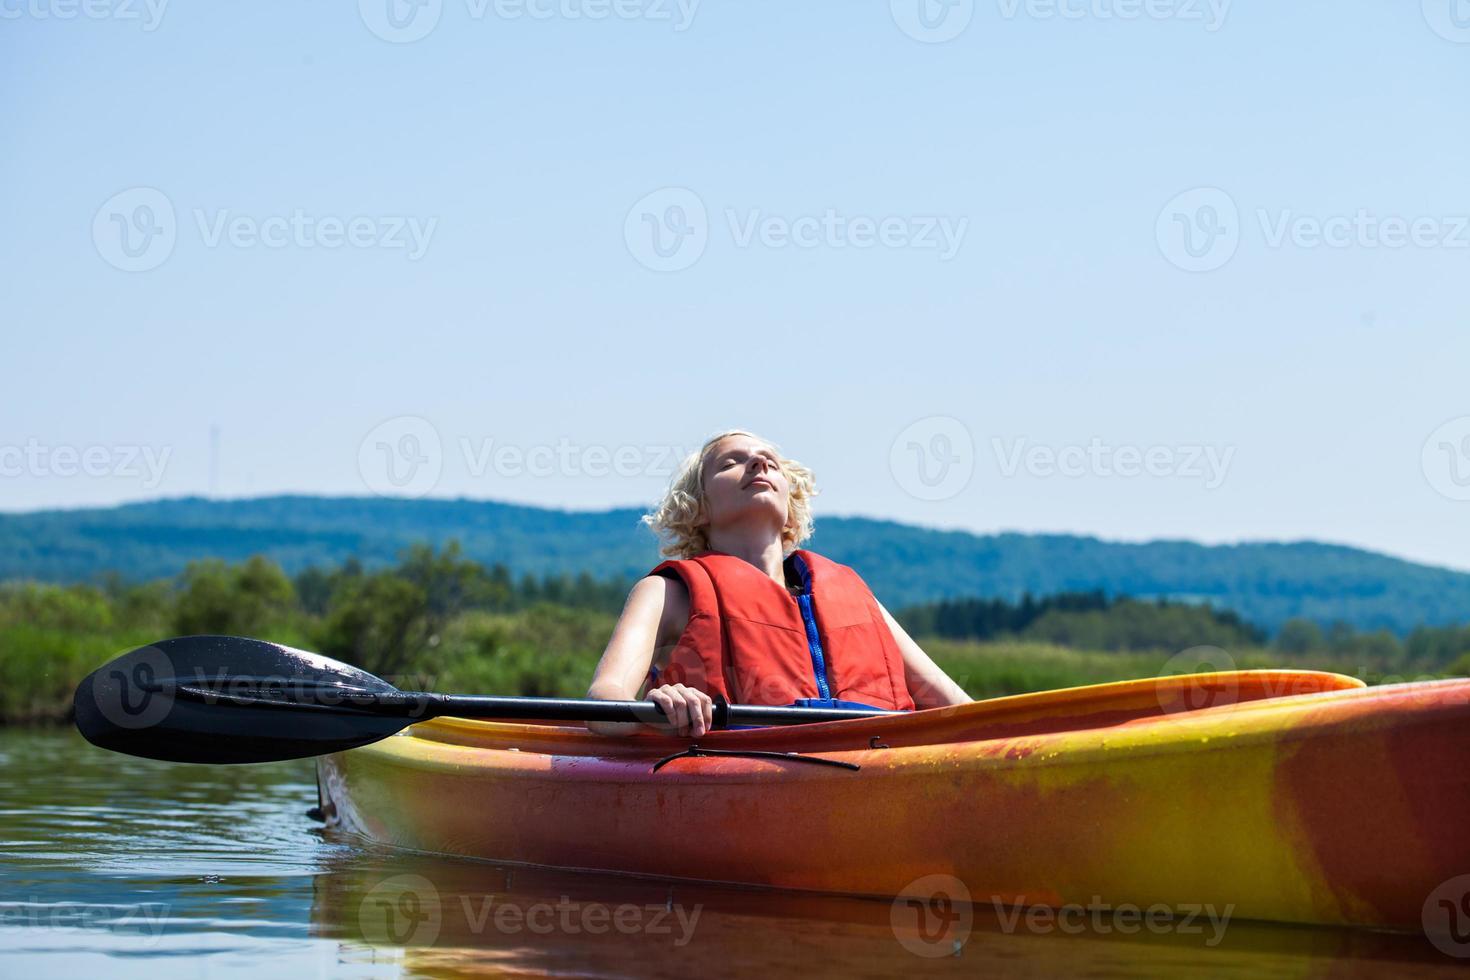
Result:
1060,316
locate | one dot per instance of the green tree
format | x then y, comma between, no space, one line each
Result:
379,622
1300,636
244,599
74,608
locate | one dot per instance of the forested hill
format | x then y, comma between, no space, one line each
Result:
1264,583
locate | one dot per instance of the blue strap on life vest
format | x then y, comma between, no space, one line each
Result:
815,703
809,620
834,703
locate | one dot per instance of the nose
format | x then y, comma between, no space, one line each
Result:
757,468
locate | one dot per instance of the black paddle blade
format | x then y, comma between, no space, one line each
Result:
232,699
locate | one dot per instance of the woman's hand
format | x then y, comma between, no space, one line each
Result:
691,712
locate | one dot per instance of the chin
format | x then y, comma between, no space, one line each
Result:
754,506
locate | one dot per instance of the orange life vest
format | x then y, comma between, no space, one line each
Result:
753,642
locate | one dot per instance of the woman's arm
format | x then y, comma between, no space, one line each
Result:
929,686
654,616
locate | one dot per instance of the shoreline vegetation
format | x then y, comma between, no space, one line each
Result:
440,621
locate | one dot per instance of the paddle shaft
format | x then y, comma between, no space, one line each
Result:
586,709
426,705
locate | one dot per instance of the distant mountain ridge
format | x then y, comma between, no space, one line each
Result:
1267,583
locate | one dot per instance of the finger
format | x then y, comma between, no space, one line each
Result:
707,703
678,710
665,702
697,722
694,704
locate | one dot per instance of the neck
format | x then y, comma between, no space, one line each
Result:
755,545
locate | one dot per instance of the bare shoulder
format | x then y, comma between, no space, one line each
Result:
665,597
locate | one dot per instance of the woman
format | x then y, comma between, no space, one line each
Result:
741,614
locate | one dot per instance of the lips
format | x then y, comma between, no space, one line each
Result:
761,481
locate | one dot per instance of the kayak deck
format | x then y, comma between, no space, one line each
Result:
1289,795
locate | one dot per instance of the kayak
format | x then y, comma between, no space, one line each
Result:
1290,796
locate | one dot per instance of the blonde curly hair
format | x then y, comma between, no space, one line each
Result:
674,518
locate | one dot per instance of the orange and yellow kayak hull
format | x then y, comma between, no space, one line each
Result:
1281,795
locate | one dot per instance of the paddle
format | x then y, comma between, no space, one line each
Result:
220,699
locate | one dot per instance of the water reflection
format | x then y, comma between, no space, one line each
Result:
124,867
450,918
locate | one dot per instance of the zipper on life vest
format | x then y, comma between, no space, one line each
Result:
813,642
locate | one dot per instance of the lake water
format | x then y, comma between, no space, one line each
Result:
119,867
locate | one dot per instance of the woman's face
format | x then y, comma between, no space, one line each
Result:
743,481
